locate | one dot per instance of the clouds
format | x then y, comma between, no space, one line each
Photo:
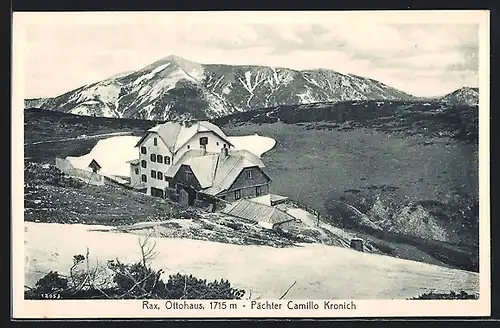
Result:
425,59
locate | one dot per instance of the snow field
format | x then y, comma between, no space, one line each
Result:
321,272
113,153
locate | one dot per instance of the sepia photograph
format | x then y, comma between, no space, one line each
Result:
249,164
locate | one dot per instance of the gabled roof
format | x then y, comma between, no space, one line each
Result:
257,212
94,164
172,170
176,134
214,172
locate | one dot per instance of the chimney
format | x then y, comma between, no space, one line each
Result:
224,151
203,149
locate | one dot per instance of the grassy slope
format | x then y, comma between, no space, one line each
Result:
43,125
52,197
312,164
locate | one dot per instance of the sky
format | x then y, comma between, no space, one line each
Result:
423,55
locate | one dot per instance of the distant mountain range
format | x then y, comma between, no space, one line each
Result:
175,88
466,96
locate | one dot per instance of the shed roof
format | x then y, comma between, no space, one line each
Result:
257,212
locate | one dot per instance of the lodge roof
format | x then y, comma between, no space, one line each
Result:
214,171
177,134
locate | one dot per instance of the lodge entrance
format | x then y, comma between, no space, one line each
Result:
187,195
155,192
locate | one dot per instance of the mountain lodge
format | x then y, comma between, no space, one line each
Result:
196,163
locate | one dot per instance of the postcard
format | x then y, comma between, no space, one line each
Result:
250,164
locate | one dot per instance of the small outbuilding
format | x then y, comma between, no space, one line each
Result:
266,216
357,244
94,166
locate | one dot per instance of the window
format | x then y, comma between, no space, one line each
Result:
143,163
187,176
144,178
217,143
237,194
153,174
153,158
166,178
204,141
143,150
188,146
167,160
248,174
155,141
136,170
224,146
258,190
159,175
159,159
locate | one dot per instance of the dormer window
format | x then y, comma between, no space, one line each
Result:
203,141
187,176
248,174
143,150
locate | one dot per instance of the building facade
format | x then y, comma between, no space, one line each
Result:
226,176
163,145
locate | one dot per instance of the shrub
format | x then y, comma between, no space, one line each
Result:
136,280
188,287
128,281
51,283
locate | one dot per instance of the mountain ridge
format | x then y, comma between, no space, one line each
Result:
174,87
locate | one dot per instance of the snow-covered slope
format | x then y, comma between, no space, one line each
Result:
174,87
321,272
464,96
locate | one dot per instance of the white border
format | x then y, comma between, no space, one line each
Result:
132,309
